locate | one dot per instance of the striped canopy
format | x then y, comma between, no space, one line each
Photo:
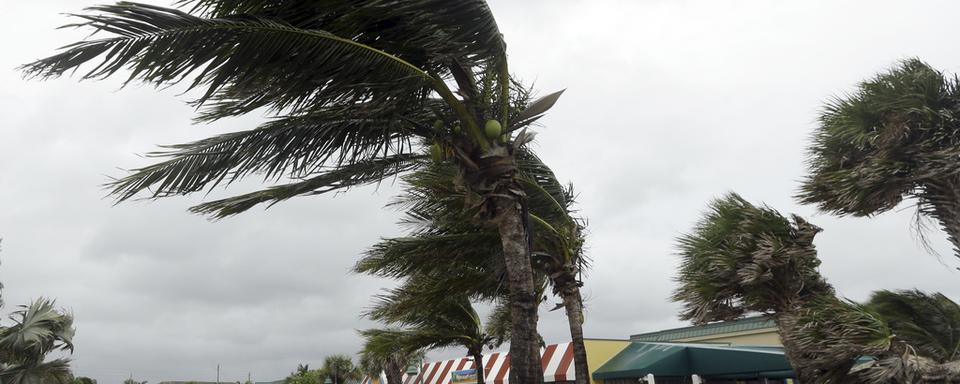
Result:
557,361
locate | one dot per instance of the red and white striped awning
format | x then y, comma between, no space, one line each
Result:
557,361
438,372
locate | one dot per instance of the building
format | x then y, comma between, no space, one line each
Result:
745,351
758,330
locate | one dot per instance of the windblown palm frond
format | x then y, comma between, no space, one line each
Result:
930,323
827,335
896,137
417,31
359,173
53,371
249,61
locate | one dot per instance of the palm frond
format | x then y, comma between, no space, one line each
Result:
344,177
428,33
930,323
53,371
244,62
38,329
896,137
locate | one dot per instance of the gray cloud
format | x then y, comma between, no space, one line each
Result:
668,104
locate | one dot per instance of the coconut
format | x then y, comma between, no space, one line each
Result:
437,125
436,152
456,129
493,129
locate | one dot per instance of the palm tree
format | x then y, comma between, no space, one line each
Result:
742,258
340,369
451,321
358,89
37,330
896,137
383,354
445,241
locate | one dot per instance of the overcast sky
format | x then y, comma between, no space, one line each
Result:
668,104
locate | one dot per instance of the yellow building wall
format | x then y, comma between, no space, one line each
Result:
599,351
768,336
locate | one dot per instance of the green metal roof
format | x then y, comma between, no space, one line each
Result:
741,325
681,359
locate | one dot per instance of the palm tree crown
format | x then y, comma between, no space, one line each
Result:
37,330
896,137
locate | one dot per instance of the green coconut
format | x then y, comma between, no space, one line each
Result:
457,129
493,129
437,125
436,152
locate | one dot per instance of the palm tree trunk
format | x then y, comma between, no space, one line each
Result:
478,358
394,376
573,303
525,366
941,201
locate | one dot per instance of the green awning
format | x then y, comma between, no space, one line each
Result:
681,359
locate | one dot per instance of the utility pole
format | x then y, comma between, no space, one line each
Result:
248,378
218,373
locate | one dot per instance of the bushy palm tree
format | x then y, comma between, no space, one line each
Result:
446,241
741,258
37,330
358,90
383,354
340,369
897,136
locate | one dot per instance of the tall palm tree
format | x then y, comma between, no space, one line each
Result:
356,88
445,323
37,330
384,354
896,137
445,241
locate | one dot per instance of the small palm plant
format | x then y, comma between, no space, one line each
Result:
448,321
37,330
897,137
382,354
